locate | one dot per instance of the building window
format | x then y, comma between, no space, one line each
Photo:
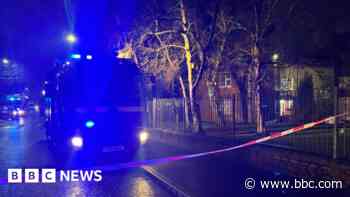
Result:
286,107
325,94
225,80
287,84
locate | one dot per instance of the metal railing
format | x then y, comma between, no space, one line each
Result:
318,141
170,113
166,113
220,116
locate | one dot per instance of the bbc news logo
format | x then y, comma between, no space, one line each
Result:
32,175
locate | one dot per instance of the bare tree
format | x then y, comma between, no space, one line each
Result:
258,20
174,41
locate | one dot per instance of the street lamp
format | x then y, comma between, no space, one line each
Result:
5,61
275,57
71,38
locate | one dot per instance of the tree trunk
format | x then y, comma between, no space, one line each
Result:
190,66
258,101
259,113
186,104
196,125
244,103
243,97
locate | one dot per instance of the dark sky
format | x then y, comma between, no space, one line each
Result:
32,31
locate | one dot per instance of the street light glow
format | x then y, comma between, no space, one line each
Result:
275,56
5,61
71,38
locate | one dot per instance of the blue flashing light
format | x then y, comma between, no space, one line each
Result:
75,56
13,98
89,57
89,124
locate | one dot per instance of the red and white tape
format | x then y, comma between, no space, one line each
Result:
250,143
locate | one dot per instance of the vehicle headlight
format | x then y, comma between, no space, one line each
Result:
143,137
14,113
21,112
36,108
77,141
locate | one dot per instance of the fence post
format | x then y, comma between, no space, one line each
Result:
335,129
183,114
148,114
155,113
234,116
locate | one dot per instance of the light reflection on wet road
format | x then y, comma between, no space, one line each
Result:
127,183
25,147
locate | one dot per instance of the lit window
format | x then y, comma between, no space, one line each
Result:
225,79
287,84
286,107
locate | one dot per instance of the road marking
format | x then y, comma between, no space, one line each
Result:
164,181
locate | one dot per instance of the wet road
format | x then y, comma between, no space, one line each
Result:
24,146
224,174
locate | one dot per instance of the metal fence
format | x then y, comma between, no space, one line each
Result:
318,141
219,113
222,115
166,114
170,113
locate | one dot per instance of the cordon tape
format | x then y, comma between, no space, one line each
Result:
189,156
143,163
